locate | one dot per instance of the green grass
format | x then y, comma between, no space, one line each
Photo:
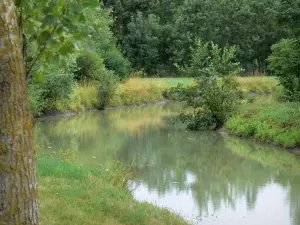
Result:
257,84
269,121
137,91
260,84
134,92
168,81
70,194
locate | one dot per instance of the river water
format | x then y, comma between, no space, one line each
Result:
205,177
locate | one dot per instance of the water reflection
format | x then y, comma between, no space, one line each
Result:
206,177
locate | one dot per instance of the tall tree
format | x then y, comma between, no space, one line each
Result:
53,27
18,189
249,25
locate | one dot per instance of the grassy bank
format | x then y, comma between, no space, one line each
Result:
132,92
147,90
247,84
258,84
73,195
269,121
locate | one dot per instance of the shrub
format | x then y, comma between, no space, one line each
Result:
104,43
285,63
215,96
91,67
115,61
37,102
106,88
58,84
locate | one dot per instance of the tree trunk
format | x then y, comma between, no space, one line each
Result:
18,190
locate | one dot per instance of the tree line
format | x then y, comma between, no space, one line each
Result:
157,34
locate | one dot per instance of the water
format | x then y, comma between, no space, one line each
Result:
206,177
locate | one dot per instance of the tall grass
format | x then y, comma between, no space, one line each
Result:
257,84
133,92
137,91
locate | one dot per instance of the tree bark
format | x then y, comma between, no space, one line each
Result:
18,189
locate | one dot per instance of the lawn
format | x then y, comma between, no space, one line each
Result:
69,194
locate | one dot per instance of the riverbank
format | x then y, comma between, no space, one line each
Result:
170,165
70,194
137,92
265,119
269,121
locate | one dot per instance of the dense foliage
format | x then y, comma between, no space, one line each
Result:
54,33
285,62
285,58
156,37
210,102
156,34
55,28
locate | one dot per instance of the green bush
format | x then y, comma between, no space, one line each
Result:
57,84
37,102
104,43
285,63
106,88
115,61
90,67
214,97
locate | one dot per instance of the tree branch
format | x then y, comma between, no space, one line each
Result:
35,60
44,47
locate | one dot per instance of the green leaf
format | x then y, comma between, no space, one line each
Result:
30,27
29,59
82,34
59,30
43,37
20,3
52,43
48,56
38,78
91,3
81,18
50,19
47,10
63,63
76,7
55,60
68,47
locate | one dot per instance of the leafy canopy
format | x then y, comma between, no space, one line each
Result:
54,27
